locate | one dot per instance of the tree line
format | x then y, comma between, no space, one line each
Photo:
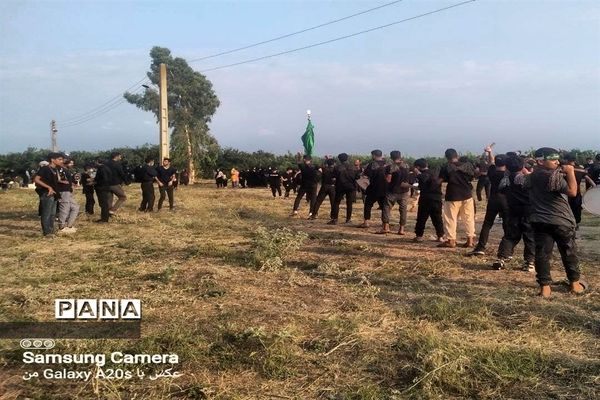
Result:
223,158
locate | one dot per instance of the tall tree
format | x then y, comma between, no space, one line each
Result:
192,103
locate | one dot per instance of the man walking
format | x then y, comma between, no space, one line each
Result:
497,204
327,186
118,178
46,186
165,177
308,186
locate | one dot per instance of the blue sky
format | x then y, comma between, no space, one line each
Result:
518,73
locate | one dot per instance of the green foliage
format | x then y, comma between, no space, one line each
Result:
191,103
270,248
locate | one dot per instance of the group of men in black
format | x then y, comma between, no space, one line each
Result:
538,199
105,179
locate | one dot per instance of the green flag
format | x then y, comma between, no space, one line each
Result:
308,139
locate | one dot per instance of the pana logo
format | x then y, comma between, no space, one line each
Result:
97,309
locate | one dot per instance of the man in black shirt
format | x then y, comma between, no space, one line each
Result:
288,181
308,185
327,186
517,225
117,178
274,180
103,181
147,177
398,191
87,182
483,181
430,200
377,189
46,186
165,178
552,218
496,201
458,199
345,176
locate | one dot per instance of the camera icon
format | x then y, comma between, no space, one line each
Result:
37,344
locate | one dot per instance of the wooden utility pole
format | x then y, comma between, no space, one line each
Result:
53,132
164,114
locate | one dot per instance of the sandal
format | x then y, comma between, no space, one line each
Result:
584,286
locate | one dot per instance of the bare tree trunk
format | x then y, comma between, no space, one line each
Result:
190,154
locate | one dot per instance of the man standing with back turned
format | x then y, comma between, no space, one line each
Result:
459,199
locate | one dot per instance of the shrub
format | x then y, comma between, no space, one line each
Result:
271,248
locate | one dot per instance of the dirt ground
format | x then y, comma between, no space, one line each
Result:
349,314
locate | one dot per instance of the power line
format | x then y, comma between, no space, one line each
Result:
116,99
338,38
109,102
295,33
99,113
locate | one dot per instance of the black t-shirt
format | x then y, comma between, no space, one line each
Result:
399,175
309,175
429,186
345,176
375,170
117,175
87,182
164,174
549,206
327,175
103,176
458,175
495,178
517,195
49,176
274,178
148,173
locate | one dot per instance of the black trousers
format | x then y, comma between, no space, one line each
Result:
576,204
276,189
169,192
429,209
147,196
104,200
495,206
89,200
350,199
517,227
311,195
370,200
325,191
483,182
545,236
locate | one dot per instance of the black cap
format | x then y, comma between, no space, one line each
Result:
343,157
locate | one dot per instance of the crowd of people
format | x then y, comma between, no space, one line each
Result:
538,198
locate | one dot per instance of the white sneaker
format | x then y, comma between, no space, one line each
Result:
72,229
67,230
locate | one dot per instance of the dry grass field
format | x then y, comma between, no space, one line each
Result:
346,315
